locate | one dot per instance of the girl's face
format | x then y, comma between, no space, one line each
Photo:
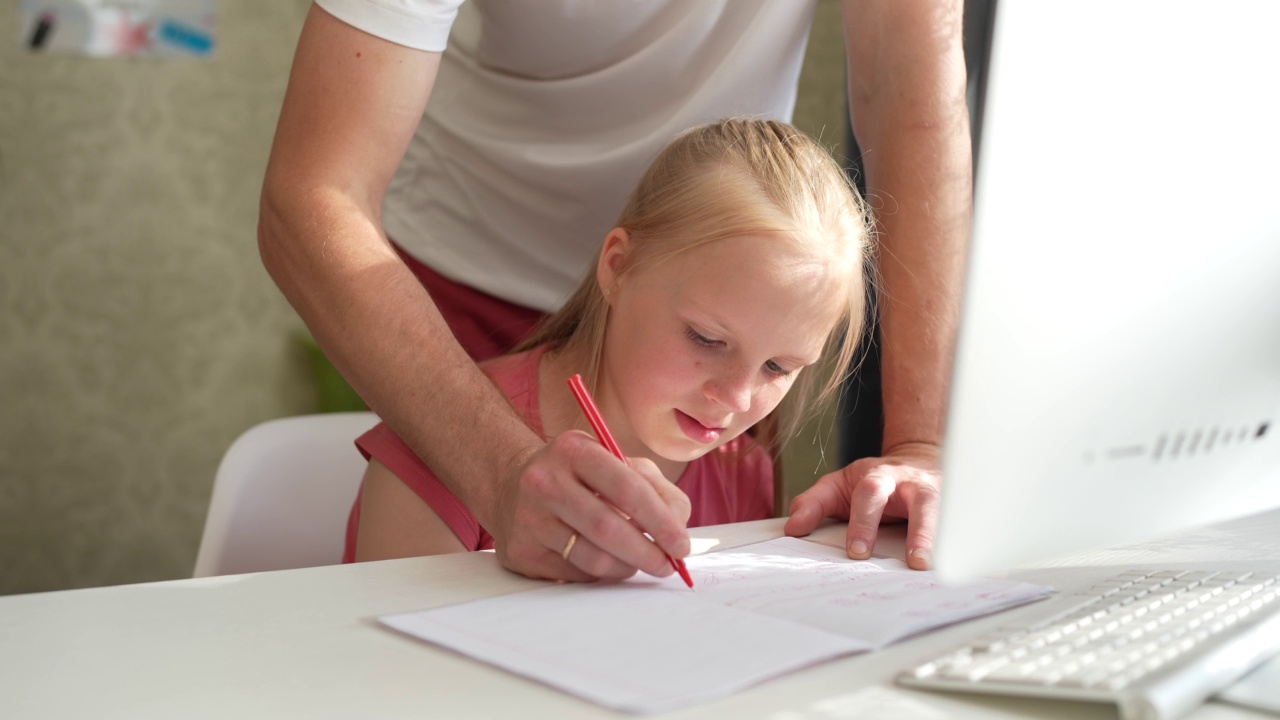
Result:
703,345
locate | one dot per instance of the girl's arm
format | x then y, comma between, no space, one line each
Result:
396,523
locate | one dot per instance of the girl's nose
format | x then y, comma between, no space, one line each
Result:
731,389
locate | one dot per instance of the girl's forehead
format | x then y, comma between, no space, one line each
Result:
773,258
747,282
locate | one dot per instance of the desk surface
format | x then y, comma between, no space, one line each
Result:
302,643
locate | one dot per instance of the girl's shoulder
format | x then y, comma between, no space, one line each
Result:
516,375
513,367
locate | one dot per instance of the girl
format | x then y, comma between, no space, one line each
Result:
735,269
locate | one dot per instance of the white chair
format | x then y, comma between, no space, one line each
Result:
282,494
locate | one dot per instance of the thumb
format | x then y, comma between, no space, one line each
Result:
811,506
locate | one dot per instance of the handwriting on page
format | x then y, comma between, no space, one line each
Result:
649,644
878,600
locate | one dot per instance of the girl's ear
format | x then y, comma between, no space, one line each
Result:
613,255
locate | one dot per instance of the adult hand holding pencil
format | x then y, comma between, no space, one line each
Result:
606,438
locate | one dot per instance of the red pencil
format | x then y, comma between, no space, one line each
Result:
606,439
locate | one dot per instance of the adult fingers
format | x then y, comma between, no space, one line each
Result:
922,524
617,506
643,496
870,494
546,501
541,556
828,497
546,557
916,470
586,557
677,502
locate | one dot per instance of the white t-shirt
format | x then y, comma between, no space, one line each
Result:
545,113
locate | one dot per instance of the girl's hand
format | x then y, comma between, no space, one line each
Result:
574,485
904,483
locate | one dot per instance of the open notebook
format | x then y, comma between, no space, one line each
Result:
650,645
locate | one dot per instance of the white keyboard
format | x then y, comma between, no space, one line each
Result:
1156,643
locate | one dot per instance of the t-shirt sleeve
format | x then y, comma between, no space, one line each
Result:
419,24
387,447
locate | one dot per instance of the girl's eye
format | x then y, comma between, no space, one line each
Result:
774,368
700,339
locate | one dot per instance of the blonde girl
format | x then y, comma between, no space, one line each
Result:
733,277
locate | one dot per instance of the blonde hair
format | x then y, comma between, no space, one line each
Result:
731,178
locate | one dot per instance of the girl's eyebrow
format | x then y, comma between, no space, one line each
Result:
799,362
708,321
705,321
711,325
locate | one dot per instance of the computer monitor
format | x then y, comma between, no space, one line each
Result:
1117,374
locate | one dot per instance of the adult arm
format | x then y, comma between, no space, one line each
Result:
907,103
351,107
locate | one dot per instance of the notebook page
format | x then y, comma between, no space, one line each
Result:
626,646
877,601
650,644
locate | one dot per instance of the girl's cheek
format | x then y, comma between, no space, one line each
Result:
772,397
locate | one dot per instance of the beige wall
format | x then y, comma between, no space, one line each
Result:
138,332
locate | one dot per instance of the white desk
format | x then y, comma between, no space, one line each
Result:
301,643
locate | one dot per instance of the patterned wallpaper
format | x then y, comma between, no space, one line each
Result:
139,333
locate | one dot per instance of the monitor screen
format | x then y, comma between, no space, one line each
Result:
1117,372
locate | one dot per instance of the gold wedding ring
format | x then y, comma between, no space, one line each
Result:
568,546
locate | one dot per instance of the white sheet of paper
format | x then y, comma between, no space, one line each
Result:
626,646
649,645
878,600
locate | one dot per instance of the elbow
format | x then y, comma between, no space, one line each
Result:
268,229
273,234
310,229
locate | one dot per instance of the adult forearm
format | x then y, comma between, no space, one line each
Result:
921,266
350,110
907,101
380,329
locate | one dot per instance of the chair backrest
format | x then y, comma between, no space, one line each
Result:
282,494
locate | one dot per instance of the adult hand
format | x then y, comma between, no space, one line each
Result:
904,483
572,511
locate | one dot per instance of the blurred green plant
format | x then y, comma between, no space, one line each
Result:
333,393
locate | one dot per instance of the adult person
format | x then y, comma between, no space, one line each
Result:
539,115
